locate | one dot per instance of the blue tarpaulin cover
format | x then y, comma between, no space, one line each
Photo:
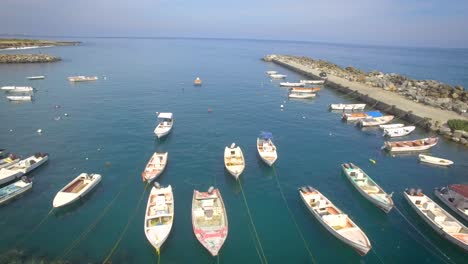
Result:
266,135
374,114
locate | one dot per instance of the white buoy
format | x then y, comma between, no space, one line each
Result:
86,158
65,114
39,131
282,106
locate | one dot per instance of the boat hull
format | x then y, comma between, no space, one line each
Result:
349,107
23,187
445,200
434,160
269,160
61,200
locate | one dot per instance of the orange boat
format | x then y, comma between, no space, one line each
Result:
354,116
304,90
197,81
155,166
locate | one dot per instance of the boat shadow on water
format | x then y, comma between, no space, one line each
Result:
233,183
71,208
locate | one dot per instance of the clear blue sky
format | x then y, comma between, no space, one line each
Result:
435,23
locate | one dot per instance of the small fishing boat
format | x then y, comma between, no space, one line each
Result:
391,126
30,163
8,161
278,76
302,95
291,84
434,160
367,187
19,98
165,125
209,219
197,81
351,107
39,77
76,189
234,160
455,196
271,72
398,131
159,215
304,90
410,145
155,166
334,220
312,81
7,175
82,78
375,121
15,189
17,89
357,116
437,218
266,149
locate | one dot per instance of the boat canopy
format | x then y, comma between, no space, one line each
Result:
165,115
266,135
462,189
374,114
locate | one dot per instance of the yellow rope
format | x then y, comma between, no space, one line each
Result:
35,227
126,226
264,259
159,256
292,216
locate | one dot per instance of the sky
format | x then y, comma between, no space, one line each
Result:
418,23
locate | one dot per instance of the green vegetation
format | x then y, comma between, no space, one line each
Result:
458,124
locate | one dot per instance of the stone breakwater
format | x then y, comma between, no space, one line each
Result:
426,103
27,58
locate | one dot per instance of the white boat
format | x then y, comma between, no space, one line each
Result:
312,81
155,166
82,78
19,98
197,81
266,149
291,84
22,167
7,175
367,187
271,72
234,160
17,89
410,145
209,219
76,189
39,77
304,90
159,215
278,76
375,121
437,218
8,161
434,160
302,95
399,131
334,220
15,189
165,125
347,106
391,126
455,196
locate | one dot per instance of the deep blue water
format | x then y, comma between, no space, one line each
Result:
112,120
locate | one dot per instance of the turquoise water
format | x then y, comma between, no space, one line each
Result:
111,122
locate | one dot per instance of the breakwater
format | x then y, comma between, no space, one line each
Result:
428,104
27,58
28,43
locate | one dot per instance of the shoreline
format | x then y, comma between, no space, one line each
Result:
20,44
388,101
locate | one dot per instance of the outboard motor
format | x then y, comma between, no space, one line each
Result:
418,191
156,184
411,191
311,189
25,179
210,190
346,165
352,165
304,189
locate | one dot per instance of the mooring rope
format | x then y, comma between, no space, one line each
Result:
132,216
292,216
159,256
264,259
35,228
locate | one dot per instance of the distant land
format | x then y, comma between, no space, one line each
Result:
24,44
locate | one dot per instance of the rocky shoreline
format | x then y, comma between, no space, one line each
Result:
25,43
27,58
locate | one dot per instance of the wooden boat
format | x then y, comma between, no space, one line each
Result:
410,145
271,72
22,167
76,189
302,95
304,90
455,196
391,126
353,116
437,218
375,121
17,89
398,131
19,98
15,189
278,76
312,81
7,175
8,161
209,219
82,78
367,187
165,125
266,149
351,107
434,160
155,166
159,215
197,81
291,84
234,160
334,220
39,77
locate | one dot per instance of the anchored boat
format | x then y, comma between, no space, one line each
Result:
22,167
312,81
19,98
17,89
155,166
398,131
82,78
391,126
15,189
434,160
76,189
349,107
455,196
39,77
164,127
278,76
410,145
292,84
302,95
8,161
304,90
197,81
234,160
375,121
266,149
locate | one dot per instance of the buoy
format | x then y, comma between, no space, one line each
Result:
372,161
282,106
11,130
65,114
57,118
86,158
39,131
209,110
99,149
